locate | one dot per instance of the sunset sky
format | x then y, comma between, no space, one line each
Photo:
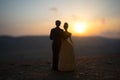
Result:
37,17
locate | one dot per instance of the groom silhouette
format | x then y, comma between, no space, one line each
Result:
56,35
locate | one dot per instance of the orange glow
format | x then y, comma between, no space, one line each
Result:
80,27
85,28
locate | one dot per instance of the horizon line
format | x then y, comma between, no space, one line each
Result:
48,35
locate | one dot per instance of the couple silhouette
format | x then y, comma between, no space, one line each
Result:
62,47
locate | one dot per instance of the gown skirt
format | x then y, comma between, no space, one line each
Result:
66,57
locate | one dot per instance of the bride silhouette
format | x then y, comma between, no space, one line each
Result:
66,55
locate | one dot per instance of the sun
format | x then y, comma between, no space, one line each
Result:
79,27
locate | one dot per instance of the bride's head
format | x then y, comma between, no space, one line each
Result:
65,26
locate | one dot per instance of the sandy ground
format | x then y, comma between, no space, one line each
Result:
87,68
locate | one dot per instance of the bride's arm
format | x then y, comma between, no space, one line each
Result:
71,40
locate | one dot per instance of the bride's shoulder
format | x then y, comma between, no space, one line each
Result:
69,33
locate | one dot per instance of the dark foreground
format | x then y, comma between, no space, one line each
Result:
87,68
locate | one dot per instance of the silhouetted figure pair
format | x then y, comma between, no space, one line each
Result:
63,55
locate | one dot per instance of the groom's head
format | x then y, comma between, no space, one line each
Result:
58,22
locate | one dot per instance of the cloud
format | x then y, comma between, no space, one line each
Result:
75,17
108,33
53,9
101,20
111,34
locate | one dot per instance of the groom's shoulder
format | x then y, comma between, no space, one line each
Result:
59,29
52,29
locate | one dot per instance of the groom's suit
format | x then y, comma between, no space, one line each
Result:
56,35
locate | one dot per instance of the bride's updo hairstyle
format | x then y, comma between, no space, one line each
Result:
65,26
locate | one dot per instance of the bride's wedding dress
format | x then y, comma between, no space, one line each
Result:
66,56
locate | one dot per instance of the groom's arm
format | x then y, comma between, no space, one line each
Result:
51,34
